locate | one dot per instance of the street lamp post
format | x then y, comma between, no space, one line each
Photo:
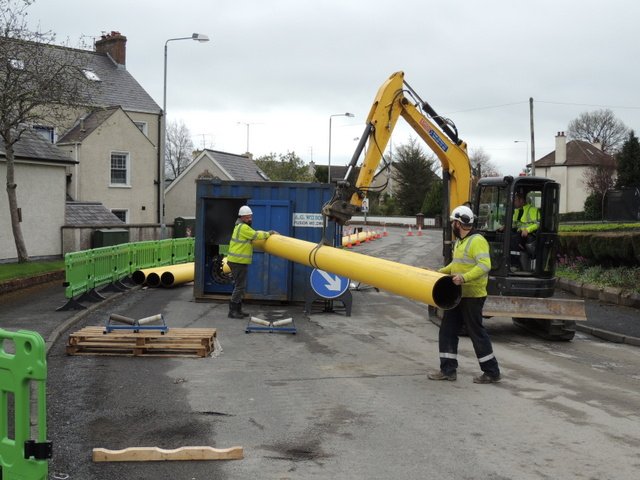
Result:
247,125
347,114
526,153
198,37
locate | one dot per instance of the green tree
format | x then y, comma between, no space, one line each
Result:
433,203
414,175
629,162
39,85
322,174
285,167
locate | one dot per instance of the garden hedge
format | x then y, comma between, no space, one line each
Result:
610,248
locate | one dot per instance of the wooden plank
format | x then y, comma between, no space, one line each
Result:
179,341
146,454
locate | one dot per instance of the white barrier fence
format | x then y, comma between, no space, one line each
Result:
391,221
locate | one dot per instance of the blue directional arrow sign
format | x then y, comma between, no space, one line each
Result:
328,285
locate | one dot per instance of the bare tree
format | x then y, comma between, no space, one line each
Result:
481,163
38,85
600,126
179,148
599,179
481,166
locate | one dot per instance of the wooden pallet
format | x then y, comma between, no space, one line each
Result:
183,342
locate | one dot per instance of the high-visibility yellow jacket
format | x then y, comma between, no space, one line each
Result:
472,260
240,246
527,217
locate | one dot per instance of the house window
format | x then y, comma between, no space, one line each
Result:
142,126
91,75
16,64
121,214
119,168
48,133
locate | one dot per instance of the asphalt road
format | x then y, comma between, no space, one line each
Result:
346,397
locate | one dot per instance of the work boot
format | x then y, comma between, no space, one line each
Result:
484,378
439,375
244,315
234,310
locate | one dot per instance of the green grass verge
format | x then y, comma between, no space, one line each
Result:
10,271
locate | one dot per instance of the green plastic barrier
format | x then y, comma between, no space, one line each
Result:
165,252
102,266
144,255
121,261
182,250
23,361
94,268
78,272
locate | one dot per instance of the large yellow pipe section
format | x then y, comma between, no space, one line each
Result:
425,286
140,276
153,276
178,274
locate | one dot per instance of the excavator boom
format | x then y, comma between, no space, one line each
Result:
389,105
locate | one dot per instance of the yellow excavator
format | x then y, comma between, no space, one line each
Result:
522,280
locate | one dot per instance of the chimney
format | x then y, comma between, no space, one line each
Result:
115,45
561,148
597,143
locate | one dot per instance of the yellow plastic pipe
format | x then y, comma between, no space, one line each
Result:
419,284
360,237
177,274
225,267
140,276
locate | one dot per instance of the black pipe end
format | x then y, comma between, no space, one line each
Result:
167,279
446,294
153,280
138,277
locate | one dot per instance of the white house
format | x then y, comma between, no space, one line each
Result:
180,196
40,176
567,165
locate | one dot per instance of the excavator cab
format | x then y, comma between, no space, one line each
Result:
522,264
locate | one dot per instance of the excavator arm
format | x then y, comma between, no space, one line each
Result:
390,104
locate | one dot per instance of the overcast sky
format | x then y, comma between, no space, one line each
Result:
284,66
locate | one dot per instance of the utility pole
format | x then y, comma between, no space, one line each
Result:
533,145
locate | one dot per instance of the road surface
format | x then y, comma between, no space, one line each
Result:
348,397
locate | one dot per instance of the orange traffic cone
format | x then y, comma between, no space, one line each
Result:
409,233
367,237
384,233
419,231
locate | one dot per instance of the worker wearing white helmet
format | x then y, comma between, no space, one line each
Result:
240,257
470,269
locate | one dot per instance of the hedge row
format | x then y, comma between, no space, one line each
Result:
616,248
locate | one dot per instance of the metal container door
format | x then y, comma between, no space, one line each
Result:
269,276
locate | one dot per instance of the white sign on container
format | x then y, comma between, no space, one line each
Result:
312,220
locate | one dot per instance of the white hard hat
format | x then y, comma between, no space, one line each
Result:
244,210
462,214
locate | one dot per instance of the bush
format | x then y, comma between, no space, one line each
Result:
606,248
593,207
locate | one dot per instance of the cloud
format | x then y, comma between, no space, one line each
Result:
286,65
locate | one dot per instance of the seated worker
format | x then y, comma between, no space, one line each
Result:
526,221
